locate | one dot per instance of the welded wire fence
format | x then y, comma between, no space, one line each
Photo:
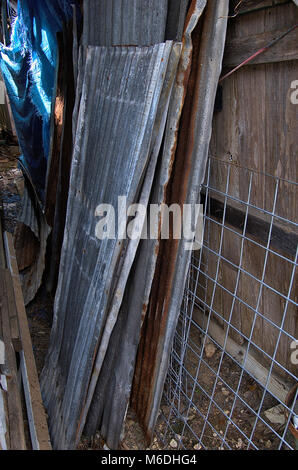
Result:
235,353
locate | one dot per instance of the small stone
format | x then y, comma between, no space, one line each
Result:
197,446
268,444
239,443
210,350
173,444
225,392
276,415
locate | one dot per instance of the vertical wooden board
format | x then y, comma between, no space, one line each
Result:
12,312
2,255
15,413
257,128
279,273
281,130
211,268
253,262
231,251
259,22
238,130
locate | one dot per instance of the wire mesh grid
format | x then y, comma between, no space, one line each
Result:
234,360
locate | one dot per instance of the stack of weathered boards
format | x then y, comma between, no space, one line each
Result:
131,72
23,423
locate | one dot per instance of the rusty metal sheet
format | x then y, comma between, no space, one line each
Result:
116,115
184,188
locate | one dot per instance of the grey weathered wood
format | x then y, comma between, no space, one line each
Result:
37,418
2,255
15,413
283,240
13,317
257,129
239,49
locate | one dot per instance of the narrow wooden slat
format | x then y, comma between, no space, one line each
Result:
15,413
13,316
36,414
2,255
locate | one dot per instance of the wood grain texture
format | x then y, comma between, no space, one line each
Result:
37,418
257,129
239,49
14,404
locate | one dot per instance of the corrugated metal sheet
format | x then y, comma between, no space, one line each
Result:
184,188
28,214
112,392
124,22
117,112
33,217
177,10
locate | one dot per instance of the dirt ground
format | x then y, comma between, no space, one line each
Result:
232,412
177,431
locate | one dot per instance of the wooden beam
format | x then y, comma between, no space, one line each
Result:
276,386
14,403
239,49
2,254
256,227
13,317
36,413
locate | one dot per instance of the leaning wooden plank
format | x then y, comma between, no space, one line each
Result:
2,255
14,403
13,316
36,413
275,385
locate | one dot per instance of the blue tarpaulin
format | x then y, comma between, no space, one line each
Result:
28,68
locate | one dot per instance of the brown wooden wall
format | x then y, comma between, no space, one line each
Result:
257,128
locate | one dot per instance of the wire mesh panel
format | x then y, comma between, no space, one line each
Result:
234,361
